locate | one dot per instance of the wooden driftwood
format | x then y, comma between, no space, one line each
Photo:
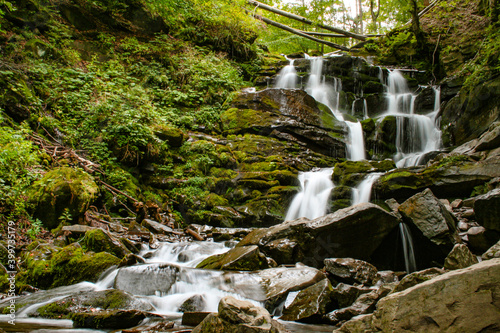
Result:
304,20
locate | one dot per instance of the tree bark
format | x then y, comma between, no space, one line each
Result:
304,20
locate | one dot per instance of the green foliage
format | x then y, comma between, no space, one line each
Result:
19,168
5,6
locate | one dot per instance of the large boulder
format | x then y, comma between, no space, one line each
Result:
354,232
290,115
493,252
431,217
62,191
464,300
239,317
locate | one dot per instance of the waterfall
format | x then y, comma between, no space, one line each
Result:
287,77
416,134
324,93
362,192
409,254
312,200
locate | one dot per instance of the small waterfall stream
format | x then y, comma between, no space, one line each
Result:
312,200
287,77
362,192
416,134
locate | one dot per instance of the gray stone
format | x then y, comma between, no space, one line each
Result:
415,278
429,215
346,294
156,227
460,257
239,317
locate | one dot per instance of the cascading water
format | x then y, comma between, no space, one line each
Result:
408,252
362,192
312,200
416,134
287,78
324,93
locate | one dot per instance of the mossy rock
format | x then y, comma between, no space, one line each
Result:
351,172
98,240
174,136
67,266
111,299
62,189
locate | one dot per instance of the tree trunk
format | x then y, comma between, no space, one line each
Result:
415,22
374,14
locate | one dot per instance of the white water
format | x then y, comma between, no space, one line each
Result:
329,95
362,192
312,200
409,254
416,134
287,78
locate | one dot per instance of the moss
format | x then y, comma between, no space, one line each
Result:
61,189
213,200
97,240
56,310
67,266
237,120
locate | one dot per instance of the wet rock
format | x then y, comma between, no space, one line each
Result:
147,279
480,239
62,190
432,218
459,257
193,318
244,258
353,232
362,305
76,229
194,303
459,301
345,294
311,302
351,270
156,227
493,252
239,317
113,319
487,209
278,282
415,278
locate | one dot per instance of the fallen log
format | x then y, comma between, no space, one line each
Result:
304,20
299,33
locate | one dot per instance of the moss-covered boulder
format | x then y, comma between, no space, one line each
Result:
174,136
352,172
62,191
66,266
287,115
98,240
246,258
84,301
